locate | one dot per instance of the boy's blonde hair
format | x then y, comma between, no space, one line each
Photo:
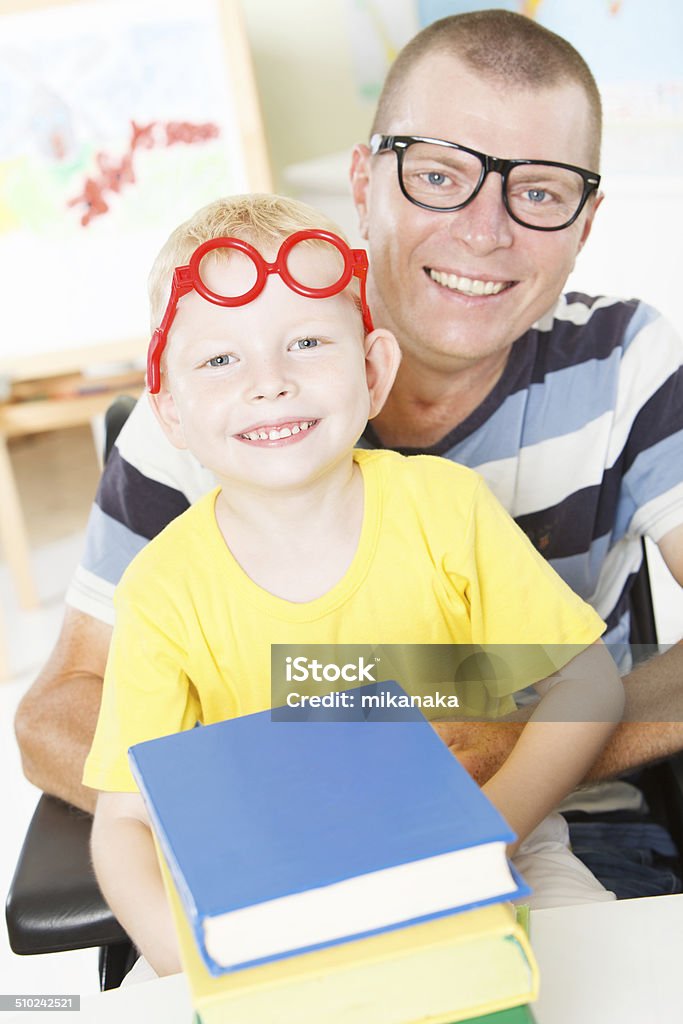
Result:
260,219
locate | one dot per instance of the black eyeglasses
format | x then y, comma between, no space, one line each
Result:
439,175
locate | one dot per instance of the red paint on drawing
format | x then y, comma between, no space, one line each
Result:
115,174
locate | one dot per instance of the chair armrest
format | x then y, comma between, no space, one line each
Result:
54,903
671,775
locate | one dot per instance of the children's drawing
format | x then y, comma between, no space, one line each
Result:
120,117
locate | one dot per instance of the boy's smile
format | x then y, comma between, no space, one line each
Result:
272,434
284,372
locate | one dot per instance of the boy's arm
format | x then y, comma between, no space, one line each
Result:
56,718
579,709
129,876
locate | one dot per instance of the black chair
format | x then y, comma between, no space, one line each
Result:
661,783
114,418
54,903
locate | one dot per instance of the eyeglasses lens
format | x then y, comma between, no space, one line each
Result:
315,263
228,272
438,176
545,197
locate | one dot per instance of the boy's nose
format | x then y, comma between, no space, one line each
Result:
271,381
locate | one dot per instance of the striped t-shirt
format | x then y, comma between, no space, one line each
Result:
581,440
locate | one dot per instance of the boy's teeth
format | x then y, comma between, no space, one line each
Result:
467,285
275,433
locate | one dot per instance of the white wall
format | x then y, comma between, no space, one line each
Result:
635,245
302,60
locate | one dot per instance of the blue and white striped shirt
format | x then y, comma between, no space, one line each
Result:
581,440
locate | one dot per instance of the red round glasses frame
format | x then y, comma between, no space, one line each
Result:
187,279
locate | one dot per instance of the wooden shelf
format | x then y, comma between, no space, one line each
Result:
55,412
63,397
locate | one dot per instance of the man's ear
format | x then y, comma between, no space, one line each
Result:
165,410
382,358
589,220
360,181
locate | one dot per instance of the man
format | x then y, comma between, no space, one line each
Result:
557,402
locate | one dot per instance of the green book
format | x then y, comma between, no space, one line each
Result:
515,1015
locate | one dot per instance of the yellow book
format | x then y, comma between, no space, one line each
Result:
445,970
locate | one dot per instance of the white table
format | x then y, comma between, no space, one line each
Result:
611,963
601,963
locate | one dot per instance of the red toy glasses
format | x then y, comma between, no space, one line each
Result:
315,282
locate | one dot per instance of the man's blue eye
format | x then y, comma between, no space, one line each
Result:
436,178
536,195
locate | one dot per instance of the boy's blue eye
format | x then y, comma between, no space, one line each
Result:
223,360
304,343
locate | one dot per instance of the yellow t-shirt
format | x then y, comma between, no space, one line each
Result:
439,561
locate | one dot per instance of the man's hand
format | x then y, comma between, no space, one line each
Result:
56,718
481,747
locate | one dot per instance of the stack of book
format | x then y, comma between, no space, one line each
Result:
336,871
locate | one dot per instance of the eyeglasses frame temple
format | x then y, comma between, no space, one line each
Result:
360,270
181,284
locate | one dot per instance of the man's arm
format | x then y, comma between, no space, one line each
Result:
652,729
56,719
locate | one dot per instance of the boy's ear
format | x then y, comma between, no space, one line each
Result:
382,358
167,414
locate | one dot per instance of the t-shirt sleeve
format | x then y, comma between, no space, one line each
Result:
146,694
522,614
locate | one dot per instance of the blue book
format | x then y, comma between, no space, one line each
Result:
287,836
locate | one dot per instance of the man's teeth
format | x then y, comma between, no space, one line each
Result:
275,434
467,285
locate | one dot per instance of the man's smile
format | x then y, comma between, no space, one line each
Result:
468,285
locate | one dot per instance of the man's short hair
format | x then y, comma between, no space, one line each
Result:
504,47
262,219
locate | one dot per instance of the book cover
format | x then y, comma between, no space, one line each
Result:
286,836
448,970
513,1015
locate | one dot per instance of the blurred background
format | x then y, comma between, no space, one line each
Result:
118,120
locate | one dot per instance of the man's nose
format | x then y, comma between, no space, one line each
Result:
484,224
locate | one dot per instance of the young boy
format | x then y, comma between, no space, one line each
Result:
265,365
